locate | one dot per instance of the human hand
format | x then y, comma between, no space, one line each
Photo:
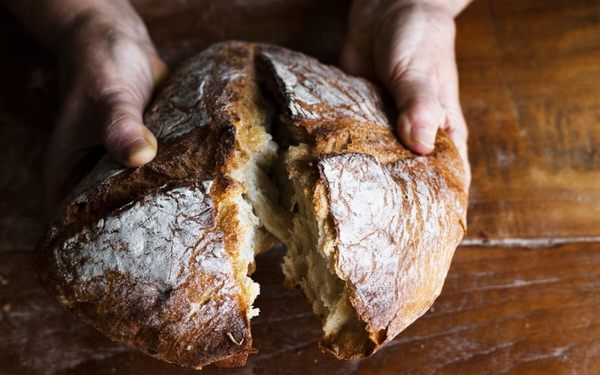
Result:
108,68
408,46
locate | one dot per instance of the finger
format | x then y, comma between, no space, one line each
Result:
455,124
456,128
125,137
420,111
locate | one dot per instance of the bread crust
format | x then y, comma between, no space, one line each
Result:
157,274
394,217
199,314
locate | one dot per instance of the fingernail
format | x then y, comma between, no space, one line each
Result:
142,156
422,136
140,151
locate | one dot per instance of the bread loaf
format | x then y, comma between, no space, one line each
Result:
258,143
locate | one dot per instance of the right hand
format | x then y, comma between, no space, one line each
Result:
108,68
408,45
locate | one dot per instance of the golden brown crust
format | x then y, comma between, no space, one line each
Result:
334,111
395,217
190,303
156,274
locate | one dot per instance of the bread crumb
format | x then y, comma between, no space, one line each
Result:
3,280
316,360
234,341
7,306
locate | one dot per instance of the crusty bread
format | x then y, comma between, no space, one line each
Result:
169,274
377,225
258,142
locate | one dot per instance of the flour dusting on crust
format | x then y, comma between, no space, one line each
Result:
316,91
399,211
164,260
158,241
387,220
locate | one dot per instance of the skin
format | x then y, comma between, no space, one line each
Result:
109,67
408,46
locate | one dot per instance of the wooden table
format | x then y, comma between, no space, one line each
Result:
522,296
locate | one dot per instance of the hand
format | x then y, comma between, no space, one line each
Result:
108,68
408,46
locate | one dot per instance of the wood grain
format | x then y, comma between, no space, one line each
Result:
183,28
530,86
501,311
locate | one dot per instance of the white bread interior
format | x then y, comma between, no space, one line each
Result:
283,206
278,203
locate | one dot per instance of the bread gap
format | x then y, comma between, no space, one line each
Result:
280,181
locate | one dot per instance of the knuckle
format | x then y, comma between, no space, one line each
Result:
119,94
117,124
424,111
413,74
412,84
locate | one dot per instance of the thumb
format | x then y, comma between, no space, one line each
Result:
420,111
125,137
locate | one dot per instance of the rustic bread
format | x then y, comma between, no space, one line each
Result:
158,256
377,225
258,142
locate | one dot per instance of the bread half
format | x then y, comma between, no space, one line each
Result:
158,256
258,144
376,225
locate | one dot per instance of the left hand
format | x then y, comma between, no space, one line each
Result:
408,46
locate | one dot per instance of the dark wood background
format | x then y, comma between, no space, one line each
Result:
522,293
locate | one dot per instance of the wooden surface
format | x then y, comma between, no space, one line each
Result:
530,86
530,89
502,311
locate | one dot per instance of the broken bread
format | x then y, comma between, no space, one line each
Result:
376,225
258,144
158,256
